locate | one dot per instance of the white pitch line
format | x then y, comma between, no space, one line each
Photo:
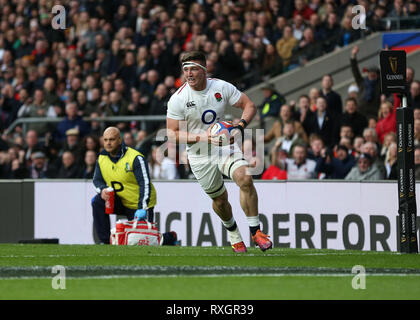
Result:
334,275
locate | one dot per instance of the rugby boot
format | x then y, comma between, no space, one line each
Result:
239,247
262,240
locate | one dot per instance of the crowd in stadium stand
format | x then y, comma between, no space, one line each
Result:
121,58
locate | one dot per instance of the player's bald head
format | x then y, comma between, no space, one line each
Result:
112,132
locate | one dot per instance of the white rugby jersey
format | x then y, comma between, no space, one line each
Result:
200,109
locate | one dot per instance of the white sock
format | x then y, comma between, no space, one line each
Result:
253,221
234,236
229,223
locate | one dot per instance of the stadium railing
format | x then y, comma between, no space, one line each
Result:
142,119
399,23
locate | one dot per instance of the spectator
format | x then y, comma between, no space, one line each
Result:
40,167
416,113
298,26
304,109
353,117
272,63
270,108
148,86
285,45
307,49
371,149
89,165
38,108
92,106
117,107
155,163
71,120
358,142
346,131
347,33
90,143
72,144
374,23
332,30
335,167
417,132
410,72
386,120
31,143
391,164
353,91
372,122
300,167
51,98
316,145
158,61
324,123
158,106
277,169
334,103
388,140
289,138
303,9
414,95
276,130
251,70
163,164
128,71
398,9
369,87
7,157
69,168
364,170
278,29
313,96
128,139
370,135
317,27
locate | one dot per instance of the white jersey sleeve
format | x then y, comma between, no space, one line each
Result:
232,92
175,109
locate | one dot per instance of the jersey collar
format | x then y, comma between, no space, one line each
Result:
120,154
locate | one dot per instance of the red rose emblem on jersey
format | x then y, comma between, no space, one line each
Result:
218,96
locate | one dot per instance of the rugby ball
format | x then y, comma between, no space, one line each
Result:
222,129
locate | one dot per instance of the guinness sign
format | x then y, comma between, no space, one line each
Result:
393,71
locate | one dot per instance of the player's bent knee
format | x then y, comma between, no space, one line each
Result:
244,181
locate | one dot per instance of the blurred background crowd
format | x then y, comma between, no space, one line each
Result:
121,58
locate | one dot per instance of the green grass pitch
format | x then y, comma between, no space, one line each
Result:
201,273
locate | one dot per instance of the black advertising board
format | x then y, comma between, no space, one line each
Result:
407,208
393,71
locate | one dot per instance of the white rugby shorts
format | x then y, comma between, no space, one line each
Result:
208,169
